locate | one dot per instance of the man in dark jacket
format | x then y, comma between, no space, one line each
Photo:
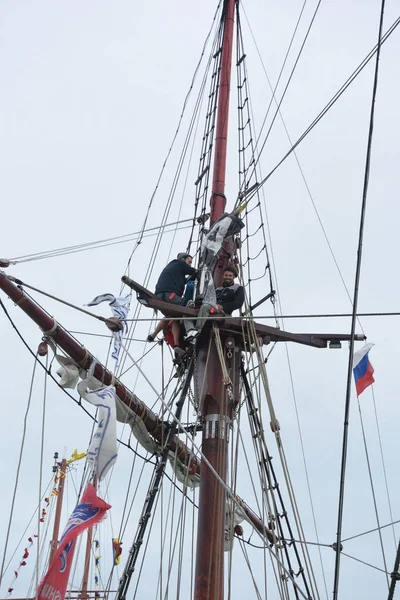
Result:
170,287
171,283
230,297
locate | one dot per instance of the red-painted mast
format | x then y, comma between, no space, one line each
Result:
217,407
218,199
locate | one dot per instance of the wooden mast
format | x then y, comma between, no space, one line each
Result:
84,595
57,516
217,406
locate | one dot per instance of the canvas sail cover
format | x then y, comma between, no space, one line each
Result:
126,415
228,224
234,515
68,372
185,474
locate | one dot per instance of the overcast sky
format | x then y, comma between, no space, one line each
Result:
91,97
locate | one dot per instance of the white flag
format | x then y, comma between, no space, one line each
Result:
120,309
103,446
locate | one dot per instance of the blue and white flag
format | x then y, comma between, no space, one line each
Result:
103,446
120,309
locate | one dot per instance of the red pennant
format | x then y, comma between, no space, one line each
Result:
30,540
42,521
23,563
16,574
10,590
26,553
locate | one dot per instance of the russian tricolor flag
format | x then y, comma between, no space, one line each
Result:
362,369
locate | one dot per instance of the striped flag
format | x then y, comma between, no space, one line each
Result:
362,369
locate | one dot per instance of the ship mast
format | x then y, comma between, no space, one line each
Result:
57,517
89,540
217,406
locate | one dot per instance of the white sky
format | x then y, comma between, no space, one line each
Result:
91,95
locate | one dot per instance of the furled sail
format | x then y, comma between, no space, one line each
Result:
228,224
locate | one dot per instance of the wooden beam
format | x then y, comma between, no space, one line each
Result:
238,325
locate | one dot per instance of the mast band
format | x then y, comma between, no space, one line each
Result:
217,426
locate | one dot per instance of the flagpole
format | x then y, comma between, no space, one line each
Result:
89,540
57,517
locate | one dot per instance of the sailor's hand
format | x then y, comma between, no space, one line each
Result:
219,308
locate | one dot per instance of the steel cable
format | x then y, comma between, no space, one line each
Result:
355,306
251,192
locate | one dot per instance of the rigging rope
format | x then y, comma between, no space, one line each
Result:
395,575
153,493
183,153
147,460
306,468
275,428
248,563
370,531
271,484
168,203
266,511
78,402
178,127
273,97
355,306
372,488
310,195
249,194
287,85
40,476
111,241
231,495
245,131
18,467
27,527
365,563
127,445
246,317
204,170
383,464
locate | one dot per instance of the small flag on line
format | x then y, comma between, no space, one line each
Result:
117,550
362,369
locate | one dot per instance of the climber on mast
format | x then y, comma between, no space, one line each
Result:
170,287
229,297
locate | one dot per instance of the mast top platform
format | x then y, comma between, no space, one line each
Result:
237,325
